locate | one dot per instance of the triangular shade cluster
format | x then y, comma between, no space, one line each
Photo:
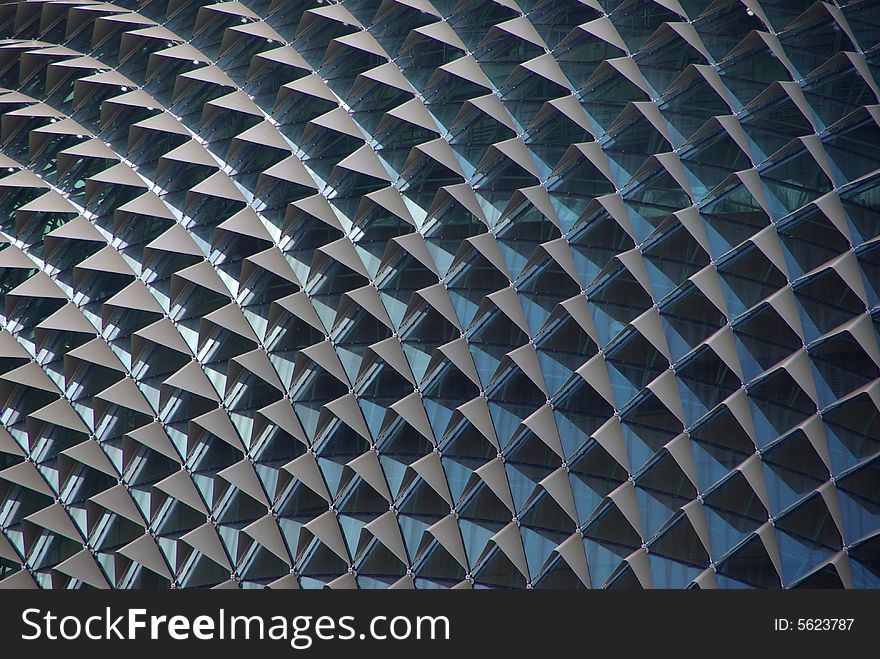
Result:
440,294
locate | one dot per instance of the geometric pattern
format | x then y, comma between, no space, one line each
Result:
440,293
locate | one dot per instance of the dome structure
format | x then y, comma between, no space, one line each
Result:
440,294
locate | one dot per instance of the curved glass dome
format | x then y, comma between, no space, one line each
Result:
440,293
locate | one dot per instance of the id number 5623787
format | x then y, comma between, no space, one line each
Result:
813,624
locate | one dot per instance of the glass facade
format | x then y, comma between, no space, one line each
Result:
440,294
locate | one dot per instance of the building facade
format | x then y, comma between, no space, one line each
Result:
440,294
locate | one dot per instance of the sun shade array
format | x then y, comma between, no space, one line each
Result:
440,294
